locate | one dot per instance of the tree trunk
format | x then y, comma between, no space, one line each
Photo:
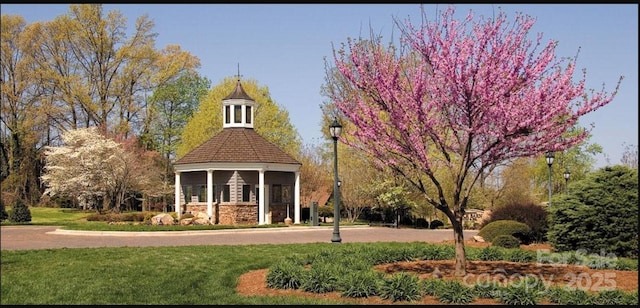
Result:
461,257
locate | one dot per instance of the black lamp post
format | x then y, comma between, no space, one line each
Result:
549,156
566,175
335,130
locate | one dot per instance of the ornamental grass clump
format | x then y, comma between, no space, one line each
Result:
401,286
437,252
491,253
321,278
526,291
520,255
566,296
285,275
616,297
487,289
454,292
432,286
362,284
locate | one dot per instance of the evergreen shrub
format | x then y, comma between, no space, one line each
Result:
20,212
435,224
3,212
506,241
598,214
506,227
531,214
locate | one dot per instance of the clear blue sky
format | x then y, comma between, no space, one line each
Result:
283,47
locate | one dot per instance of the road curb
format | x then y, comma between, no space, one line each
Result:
195,232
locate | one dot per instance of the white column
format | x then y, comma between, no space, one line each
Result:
296,199
210,193
177,194
261,212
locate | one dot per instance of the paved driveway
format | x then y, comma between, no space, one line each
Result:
47,237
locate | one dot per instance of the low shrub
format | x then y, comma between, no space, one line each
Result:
532,214
506,227
506,241
422,223
435,224
119,217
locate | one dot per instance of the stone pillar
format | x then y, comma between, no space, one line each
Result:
261,213
210,193
296,199
177,194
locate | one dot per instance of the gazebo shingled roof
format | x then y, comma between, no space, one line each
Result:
236,144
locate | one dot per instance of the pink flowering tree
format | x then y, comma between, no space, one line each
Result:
456,98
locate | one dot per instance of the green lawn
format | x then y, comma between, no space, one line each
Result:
169,275
191,275
184,275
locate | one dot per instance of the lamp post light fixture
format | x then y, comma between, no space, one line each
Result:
566,175
549,156
335,129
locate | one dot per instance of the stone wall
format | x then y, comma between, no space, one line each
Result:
228,214
196,207
238,214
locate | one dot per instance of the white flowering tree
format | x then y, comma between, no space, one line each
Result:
88,167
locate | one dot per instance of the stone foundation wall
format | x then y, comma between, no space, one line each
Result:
238,214
228,214
197,207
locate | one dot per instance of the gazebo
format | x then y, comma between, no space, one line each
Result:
237,176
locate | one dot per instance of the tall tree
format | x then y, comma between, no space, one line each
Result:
172,105
359,179
82,69
458,96
21,119
315,179
271,120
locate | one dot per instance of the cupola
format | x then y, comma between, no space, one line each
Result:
238,109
